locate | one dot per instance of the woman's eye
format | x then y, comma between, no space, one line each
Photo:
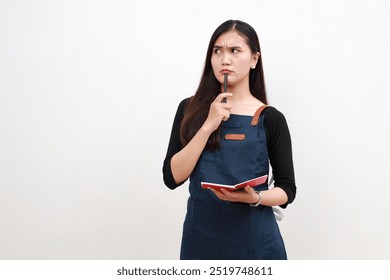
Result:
216,51
235,50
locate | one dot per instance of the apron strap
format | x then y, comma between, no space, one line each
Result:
256,117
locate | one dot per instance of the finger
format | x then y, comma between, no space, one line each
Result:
225,118
225,115
226,106
249,190
211,189
217,192
225,192
222,96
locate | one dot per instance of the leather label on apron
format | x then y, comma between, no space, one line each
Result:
235,137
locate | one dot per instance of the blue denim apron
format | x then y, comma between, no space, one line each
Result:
215,229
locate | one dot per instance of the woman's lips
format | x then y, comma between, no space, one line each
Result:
225,71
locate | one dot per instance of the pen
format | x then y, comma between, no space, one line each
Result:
225,77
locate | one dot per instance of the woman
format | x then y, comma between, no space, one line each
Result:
230,142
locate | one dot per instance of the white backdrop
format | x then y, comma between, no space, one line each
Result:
89,89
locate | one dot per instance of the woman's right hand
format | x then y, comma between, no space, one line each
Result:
184,162
218,112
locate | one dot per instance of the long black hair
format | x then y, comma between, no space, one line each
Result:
209,87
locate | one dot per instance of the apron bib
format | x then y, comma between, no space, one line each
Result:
215,229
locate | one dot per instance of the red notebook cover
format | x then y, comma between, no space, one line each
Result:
252,183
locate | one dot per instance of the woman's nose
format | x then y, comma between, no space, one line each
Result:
226,58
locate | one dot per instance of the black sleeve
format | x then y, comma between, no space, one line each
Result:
174,147
280,152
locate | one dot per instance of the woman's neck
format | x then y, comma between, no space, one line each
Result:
243,102
240,91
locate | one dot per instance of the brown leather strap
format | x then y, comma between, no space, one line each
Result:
256,117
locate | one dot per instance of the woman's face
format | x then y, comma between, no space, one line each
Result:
232,55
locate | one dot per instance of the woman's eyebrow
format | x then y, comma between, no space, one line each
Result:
231,47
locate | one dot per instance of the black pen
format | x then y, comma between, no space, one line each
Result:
225,77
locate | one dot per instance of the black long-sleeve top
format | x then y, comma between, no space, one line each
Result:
278,145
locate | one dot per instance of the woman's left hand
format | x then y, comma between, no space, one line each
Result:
247,195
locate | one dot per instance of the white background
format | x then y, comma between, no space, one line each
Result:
88,93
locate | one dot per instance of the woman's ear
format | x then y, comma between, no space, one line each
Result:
255,58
